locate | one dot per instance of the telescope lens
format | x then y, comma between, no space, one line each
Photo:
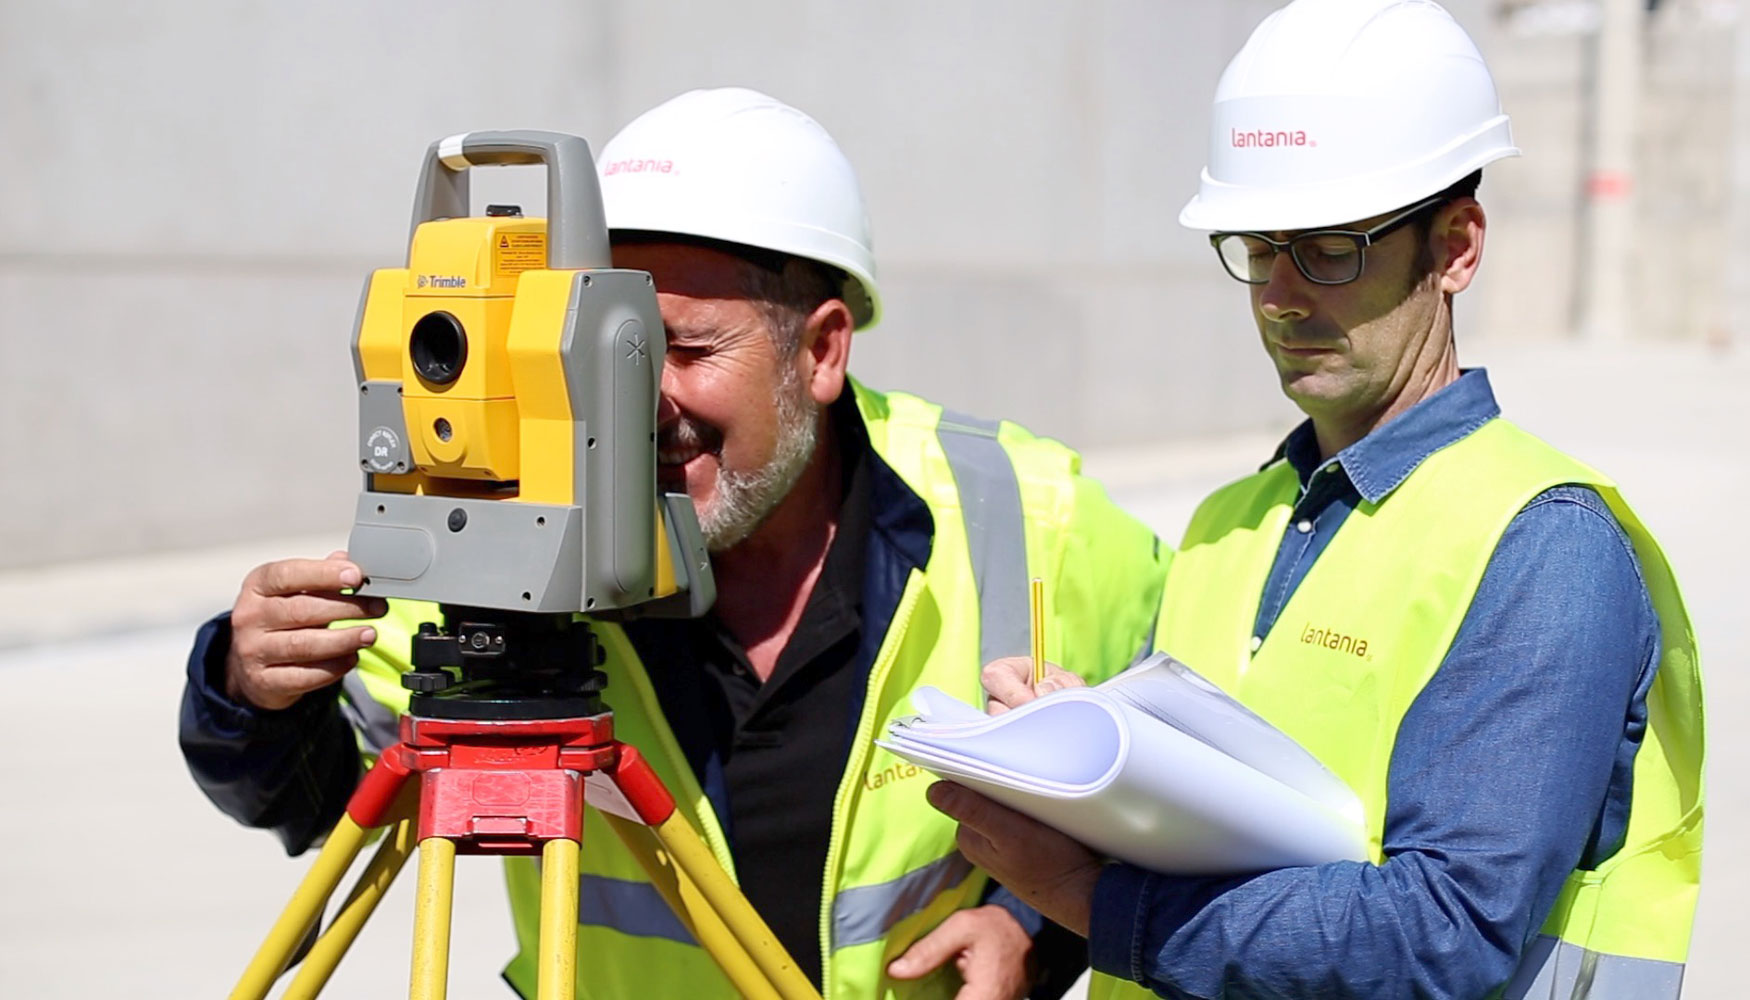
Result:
439,348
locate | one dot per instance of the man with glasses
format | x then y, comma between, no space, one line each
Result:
1520,711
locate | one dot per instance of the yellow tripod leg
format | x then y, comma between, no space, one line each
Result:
558,969
303,911
684,898
696,861
430,979
373,883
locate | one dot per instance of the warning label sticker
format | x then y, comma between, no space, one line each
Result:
518,252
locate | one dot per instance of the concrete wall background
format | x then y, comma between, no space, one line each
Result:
1542,55
195,191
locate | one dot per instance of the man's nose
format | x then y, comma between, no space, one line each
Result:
667,410
1286,294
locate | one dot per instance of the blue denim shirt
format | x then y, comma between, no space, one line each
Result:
1512,767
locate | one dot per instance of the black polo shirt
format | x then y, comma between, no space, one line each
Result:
770,755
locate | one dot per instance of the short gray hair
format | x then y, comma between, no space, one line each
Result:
787,294
786,289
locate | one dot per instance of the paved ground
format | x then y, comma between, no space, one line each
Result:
119,880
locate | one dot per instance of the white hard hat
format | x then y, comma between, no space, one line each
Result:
735,165
1338,110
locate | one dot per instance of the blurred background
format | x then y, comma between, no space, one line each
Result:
194,191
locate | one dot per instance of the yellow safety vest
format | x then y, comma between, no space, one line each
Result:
1007,507
1368,627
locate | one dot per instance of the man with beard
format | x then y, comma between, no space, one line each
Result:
863,544
1468,627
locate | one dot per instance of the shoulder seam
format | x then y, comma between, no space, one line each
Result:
1588,499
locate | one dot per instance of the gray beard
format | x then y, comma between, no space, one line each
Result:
742,501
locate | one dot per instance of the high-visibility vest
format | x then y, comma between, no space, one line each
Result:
1007,506
1372,621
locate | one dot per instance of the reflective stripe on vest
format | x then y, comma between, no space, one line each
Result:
990,505
865,913
1552,968
859,915
377,725
634,908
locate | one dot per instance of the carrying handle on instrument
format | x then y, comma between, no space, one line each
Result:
577,232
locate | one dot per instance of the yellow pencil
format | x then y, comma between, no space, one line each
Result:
1036,604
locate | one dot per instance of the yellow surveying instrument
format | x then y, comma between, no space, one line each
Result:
508,381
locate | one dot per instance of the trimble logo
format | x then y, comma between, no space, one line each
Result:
1257,138
638,167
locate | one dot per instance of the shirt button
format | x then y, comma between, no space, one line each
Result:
1331,468
1303,526
1257,641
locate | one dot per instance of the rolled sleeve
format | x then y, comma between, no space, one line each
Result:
1124,903
290,771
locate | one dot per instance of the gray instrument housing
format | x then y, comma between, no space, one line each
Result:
598,557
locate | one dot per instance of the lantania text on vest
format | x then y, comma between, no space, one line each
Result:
1330,638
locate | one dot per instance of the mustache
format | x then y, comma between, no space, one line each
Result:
688,433
1299,336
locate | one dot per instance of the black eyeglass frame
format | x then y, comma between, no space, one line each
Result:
1363,240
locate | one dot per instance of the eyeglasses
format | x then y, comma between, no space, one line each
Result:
1322,256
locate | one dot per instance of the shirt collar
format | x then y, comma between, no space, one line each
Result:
1378,463
842,574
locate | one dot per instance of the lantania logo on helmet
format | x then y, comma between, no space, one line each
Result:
1263,137
639,167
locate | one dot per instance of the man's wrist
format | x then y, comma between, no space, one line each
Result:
1119,900
233,715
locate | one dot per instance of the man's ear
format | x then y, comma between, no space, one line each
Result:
1457,241
825,351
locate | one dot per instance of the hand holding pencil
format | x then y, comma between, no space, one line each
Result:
1014,681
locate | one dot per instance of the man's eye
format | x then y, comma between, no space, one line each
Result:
1331,248
1254,249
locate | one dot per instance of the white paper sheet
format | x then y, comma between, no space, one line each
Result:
1156,767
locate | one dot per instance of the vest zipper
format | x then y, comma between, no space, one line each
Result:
860,749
